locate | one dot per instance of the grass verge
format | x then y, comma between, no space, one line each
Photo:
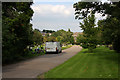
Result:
102,63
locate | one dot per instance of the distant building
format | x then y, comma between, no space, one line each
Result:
50,34
75,34
43,33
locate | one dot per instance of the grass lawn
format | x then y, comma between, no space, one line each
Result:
102,63
68,46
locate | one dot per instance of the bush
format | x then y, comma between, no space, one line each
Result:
116,45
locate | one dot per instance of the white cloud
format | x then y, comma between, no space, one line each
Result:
55,0
99,16
47,9
54,17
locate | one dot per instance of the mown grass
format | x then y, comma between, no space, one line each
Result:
66,47
102,63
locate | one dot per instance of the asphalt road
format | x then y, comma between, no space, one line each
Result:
33,67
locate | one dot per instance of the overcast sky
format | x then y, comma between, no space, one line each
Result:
55,16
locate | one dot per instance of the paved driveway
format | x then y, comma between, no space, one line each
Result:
38,65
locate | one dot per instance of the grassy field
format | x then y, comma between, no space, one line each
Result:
102,63
68,46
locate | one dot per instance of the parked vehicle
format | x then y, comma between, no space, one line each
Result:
53,47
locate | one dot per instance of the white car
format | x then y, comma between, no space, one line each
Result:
53,47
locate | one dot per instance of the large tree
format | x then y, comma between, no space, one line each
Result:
112,10
89,33
16,29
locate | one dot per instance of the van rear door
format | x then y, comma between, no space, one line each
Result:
51,46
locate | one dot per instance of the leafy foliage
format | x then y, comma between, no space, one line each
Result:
110,32
37,37
48,31
64,37
112,10
51,38
16,31
88,39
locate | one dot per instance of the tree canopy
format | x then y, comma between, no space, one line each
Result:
89,39
110,26
16,29
62,36
37,37
48,31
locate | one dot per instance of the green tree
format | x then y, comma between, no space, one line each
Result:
60,38
37,37
69,30
46,35
51,38
112,10
16,29
69,37
110,32
89,33
64,36
48,31
105,33
80,39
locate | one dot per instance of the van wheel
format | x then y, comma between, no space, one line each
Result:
61,51
57,52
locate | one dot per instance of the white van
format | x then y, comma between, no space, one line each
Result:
53,47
